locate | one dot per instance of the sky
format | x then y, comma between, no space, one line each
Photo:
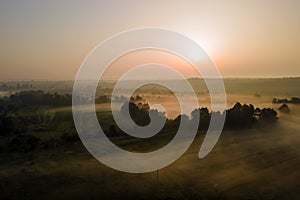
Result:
49,39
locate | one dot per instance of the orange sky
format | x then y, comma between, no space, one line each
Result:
50,39
136,58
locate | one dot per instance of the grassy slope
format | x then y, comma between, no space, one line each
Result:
250,164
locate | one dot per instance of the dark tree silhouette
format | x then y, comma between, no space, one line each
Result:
284,108
204,117
268,115
140,115
240,116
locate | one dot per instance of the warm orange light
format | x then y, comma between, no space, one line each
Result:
136,58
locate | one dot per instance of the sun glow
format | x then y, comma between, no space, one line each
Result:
141,57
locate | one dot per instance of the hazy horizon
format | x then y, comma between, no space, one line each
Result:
63,80
197,99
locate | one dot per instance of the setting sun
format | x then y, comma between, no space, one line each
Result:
151,100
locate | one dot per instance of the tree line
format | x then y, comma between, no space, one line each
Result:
238,117
39,97
17,126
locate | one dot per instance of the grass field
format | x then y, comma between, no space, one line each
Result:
249,164
256,163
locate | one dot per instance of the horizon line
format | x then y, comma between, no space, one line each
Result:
168,78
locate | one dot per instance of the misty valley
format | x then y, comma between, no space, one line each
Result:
42,155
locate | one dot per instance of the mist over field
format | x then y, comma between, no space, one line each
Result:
260,162
149,100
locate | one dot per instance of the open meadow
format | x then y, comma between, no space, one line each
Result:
253,163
